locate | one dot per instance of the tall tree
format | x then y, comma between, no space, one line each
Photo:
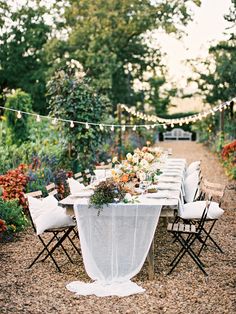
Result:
218,80
23,34
109,39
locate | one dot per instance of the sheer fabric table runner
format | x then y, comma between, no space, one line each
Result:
114,246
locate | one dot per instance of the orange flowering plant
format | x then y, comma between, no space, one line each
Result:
228,156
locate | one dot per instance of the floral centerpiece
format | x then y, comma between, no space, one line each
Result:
143,165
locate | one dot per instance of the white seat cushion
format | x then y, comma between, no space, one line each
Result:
55,218
37,205
192,167
194,210
191,186
46,214
75,186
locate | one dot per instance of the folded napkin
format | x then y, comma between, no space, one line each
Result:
169,186
172,174
75,186
164,194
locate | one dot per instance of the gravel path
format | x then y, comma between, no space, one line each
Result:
42,289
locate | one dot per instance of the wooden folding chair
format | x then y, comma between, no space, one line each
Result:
214,193
87,175
186,235
59,235
79,177
189,211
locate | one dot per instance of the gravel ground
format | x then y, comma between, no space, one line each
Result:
41,289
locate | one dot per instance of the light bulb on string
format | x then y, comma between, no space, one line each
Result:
165,126
181,123
87,125
134,128
101,127
38,119
72,124
19,115
112,128
147,127
123,128
172,125
54,121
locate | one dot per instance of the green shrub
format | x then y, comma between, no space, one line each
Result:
15,220
18,128
72,97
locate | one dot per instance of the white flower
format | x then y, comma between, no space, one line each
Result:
114,159
143,163
129,157
128,197
141,175
149,157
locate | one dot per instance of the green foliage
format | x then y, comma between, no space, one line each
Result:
19,130
110,39
71,96
107,192
11,155
22,54
217,83
12,214
218,79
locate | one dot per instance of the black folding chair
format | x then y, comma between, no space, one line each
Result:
186,235
59,235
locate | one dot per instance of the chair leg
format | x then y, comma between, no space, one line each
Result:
186,248
181,250
63,248
49,253
208,236
75,247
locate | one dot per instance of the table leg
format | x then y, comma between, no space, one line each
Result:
150,259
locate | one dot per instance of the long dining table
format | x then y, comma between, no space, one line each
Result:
116,241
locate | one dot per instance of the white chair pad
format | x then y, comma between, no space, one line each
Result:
194,210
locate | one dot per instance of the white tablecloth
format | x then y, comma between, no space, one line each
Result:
114,246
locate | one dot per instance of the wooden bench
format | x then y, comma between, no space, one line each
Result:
177,134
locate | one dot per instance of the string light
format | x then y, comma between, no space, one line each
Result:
54,121
181,121
19,115
150,118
